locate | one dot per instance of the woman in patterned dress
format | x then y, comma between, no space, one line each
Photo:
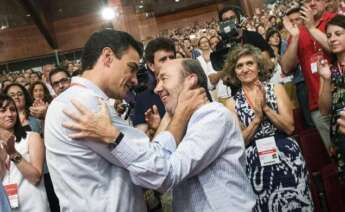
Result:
332,86
265,114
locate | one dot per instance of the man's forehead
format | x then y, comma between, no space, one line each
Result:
162,53
170,66
58,75
133,56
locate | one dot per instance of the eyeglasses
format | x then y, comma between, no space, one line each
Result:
62,81
18,94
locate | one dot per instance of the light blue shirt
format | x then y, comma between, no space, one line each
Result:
206,171
83,178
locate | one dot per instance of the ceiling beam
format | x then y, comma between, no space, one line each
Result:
41,19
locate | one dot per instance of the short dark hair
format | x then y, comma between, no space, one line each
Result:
158,44
191,66
293,10
227,8
118,41
19,131
58,70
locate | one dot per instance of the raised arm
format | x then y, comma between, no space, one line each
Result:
325,93
289,60
317,34
31,170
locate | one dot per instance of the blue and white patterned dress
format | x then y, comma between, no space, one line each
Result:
282,186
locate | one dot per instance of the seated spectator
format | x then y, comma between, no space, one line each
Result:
274,39
34,77
21,80
23,103
261,30
26,152
5,83
332,86
41,98
59,79
218,90
265,113
214,40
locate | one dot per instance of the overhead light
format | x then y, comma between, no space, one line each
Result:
108,13
177,0
141,6
28,15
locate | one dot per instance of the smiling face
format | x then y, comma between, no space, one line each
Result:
8,115
17,94
246,69
170,84
204,44
38,92
317,6
336,38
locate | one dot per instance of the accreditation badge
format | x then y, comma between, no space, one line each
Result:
315,58
12,193
267,151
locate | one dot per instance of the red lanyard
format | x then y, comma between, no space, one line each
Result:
341,69
248,99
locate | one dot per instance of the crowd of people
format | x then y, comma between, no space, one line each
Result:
211,126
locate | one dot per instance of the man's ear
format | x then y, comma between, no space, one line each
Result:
106,56
151,67
191,81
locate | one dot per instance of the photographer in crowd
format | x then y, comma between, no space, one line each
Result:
232,36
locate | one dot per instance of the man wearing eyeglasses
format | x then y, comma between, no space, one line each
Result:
60,80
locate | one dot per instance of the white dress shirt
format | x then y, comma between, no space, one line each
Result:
206,172
83,178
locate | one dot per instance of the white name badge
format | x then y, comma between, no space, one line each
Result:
267,151
12,193
313,67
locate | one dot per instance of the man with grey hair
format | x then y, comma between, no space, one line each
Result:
205,169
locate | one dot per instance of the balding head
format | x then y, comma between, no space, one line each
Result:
174,76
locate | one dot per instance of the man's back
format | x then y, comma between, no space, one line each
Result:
83,179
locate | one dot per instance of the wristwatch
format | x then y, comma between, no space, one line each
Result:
116,141
16,158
